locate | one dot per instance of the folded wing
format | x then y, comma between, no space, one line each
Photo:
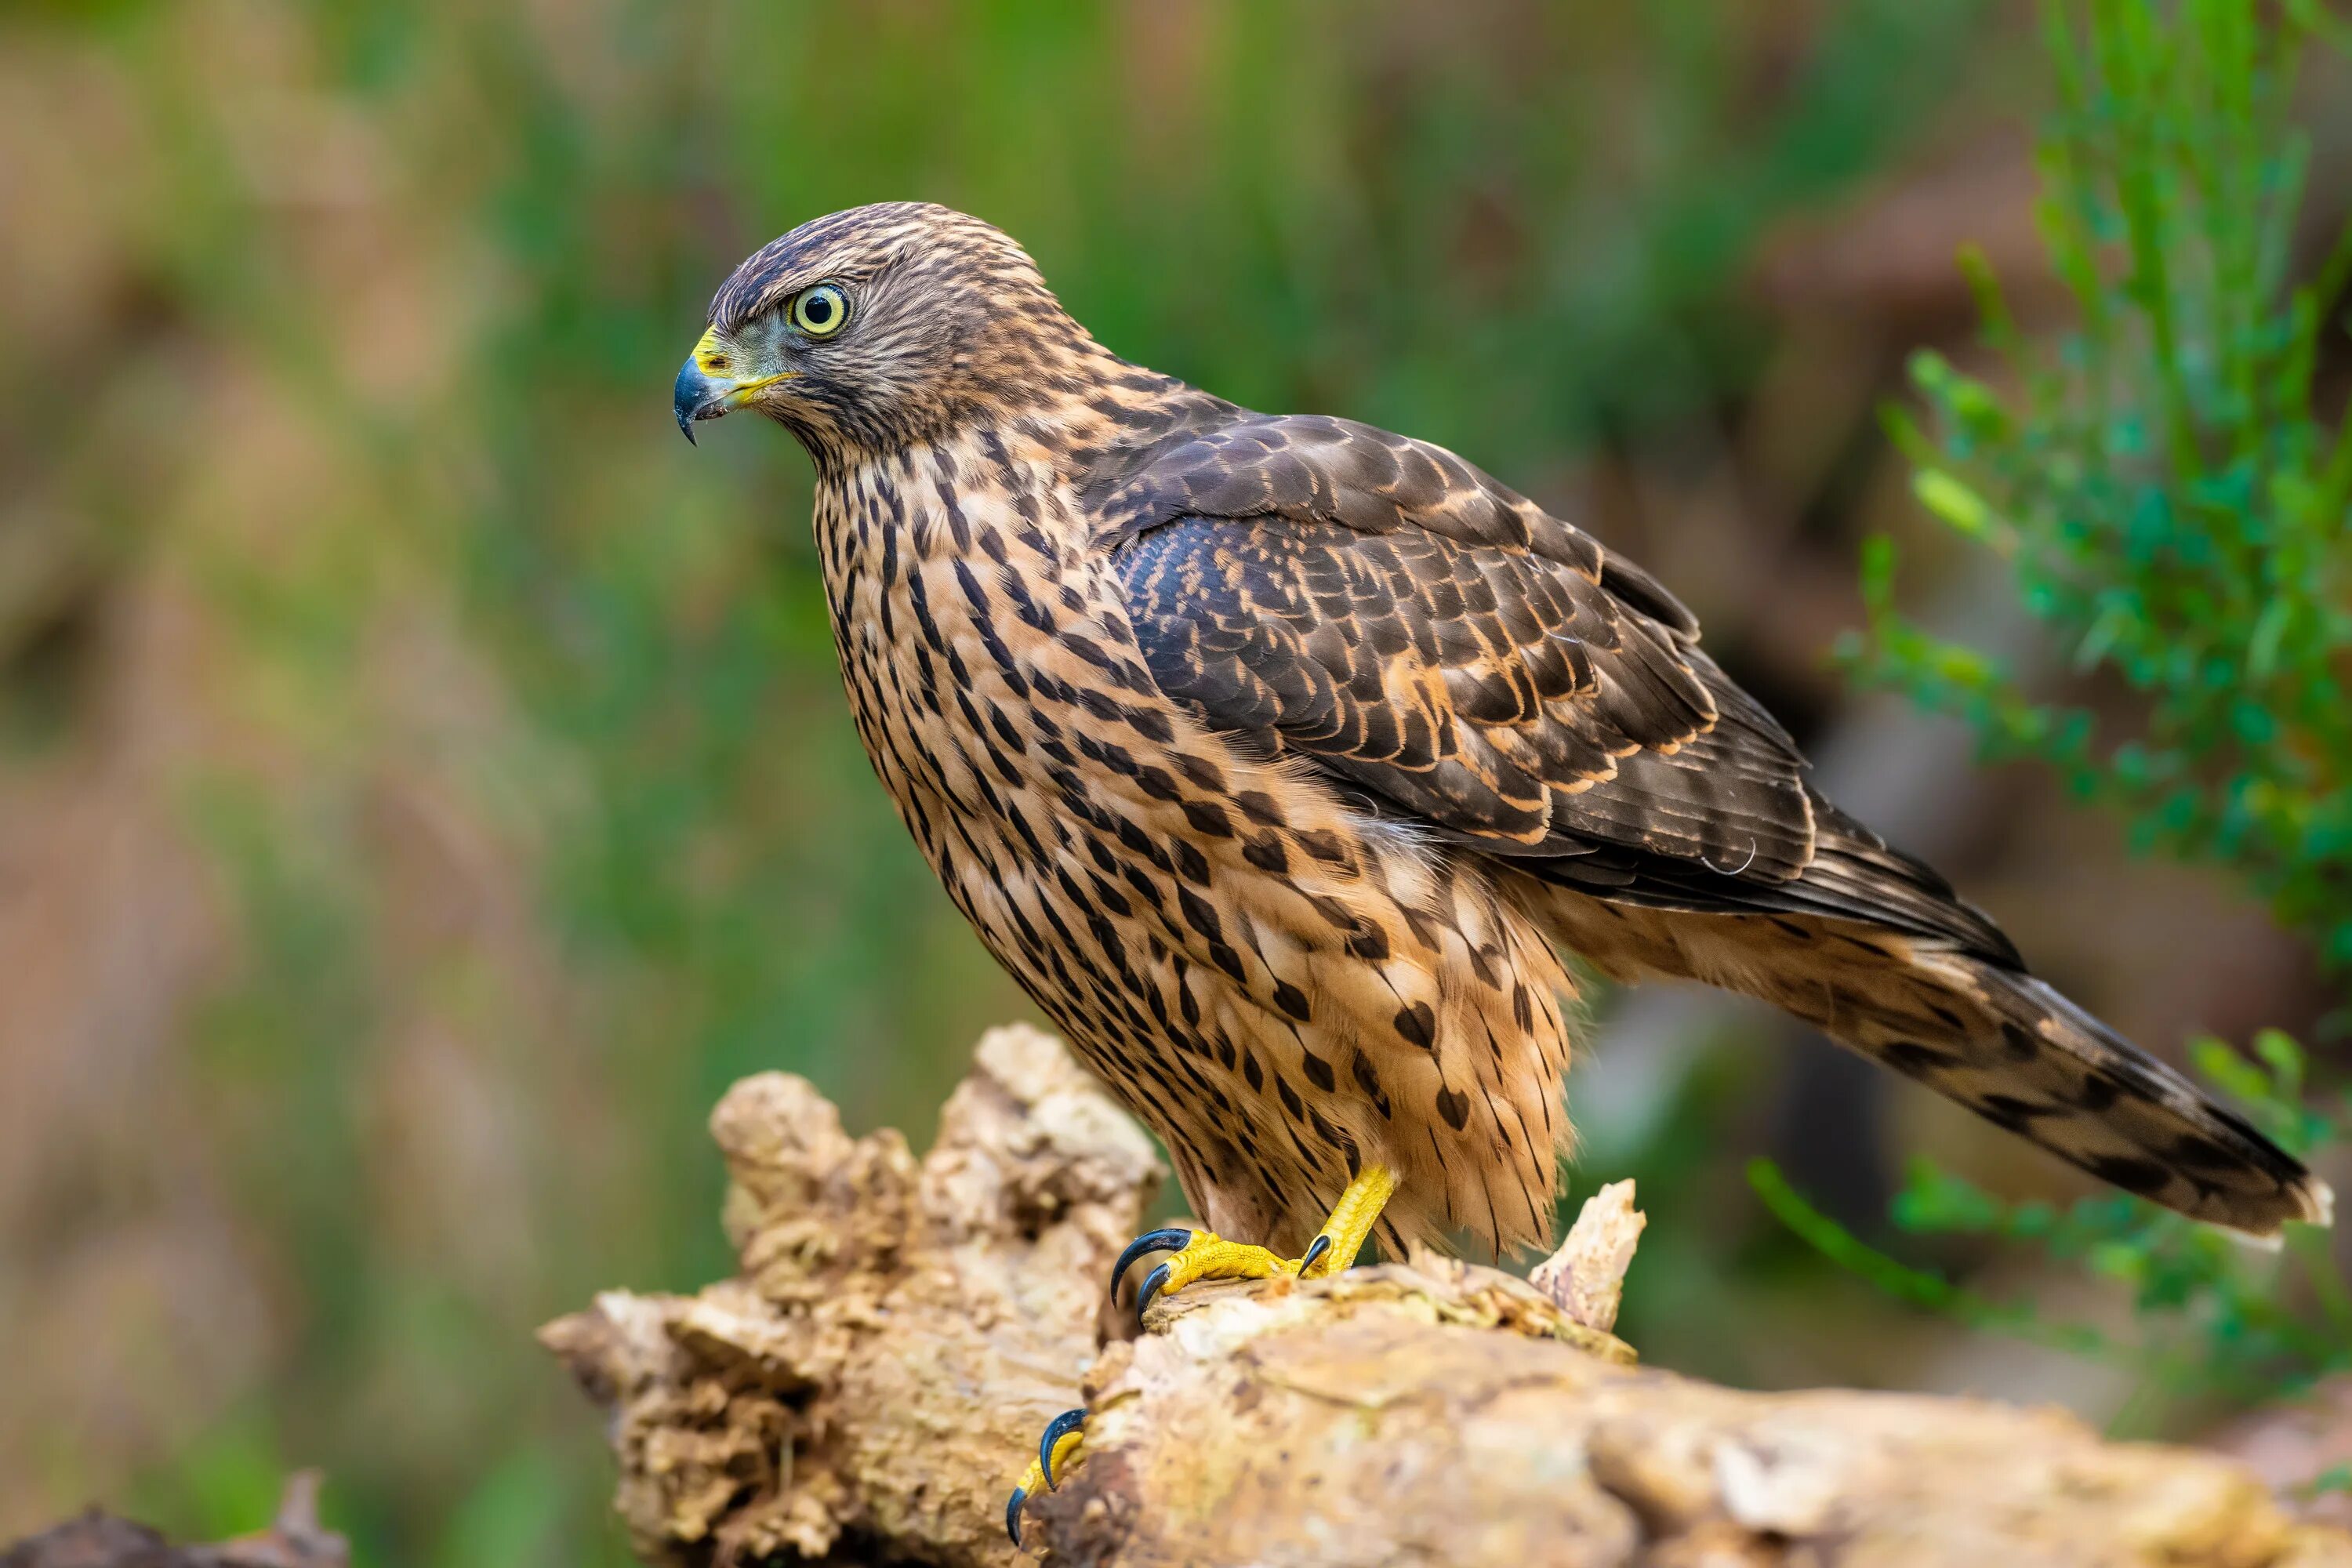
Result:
1461,659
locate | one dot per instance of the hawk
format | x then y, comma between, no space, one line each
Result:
1281,759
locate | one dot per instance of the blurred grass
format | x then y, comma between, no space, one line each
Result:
504,726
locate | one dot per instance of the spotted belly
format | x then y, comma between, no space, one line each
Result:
1280,988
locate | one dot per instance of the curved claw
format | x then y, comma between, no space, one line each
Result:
1170,1238
1013,1513
1152,1282
1059,1427
1315,1249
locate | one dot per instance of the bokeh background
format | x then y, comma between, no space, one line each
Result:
423,781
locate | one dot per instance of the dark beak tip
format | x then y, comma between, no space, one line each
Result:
689,398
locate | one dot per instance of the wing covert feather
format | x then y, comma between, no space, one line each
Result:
1448,649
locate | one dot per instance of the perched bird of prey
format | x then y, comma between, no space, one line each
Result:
1280,759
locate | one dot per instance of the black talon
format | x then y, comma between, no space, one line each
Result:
1059,1427
1013,1513
1169,1239
1152,1284
1315,1249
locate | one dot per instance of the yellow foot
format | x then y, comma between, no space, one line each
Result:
1206,1254
1057,1451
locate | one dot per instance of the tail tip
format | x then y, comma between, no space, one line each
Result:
2318,1202
2309,1201
2313,1203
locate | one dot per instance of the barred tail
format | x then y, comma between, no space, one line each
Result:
2019,1055
1975,1028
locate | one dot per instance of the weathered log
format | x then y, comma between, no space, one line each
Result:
868,1388
101,1540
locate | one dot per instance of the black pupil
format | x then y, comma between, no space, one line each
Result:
819,310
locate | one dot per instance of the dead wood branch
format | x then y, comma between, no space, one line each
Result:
866,1389
100,1540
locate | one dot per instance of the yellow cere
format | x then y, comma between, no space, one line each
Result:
716,360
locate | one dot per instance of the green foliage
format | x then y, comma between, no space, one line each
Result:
2214,1320
2174,505
2161,477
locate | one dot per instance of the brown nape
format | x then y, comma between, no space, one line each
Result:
1278,757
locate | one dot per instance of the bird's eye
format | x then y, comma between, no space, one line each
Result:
821,311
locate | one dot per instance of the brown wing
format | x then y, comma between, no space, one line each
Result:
1465,660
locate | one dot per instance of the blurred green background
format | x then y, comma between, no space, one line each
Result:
424,779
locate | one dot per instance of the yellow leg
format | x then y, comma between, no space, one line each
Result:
1205,1255
1353,1217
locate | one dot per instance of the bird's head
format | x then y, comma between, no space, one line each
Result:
879,326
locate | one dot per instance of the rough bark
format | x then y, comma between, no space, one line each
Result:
868,1388
100,1540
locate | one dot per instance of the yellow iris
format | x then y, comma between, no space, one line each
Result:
821,311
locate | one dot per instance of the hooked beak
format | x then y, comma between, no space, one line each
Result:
710,383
